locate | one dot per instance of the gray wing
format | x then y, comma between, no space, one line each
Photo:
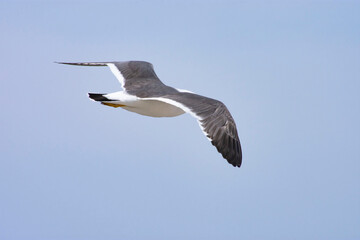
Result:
215,121
141,79
136,77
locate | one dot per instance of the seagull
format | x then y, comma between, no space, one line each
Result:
145,94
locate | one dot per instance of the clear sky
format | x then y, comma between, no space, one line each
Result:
73,169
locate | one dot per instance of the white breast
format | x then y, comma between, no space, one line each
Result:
150,107
153,108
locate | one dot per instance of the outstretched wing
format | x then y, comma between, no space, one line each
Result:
215,121
134,76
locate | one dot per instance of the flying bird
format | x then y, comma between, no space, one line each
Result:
145,94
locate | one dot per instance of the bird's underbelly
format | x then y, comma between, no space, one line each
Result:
153,108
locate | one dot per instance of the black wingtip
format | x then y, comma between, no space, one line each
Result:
235,164
236,161
64,63
91,64
68,63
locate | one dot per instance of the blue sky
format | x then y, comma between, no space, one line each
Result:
73,169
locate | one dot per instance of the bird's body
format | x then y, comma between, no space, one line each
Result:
151,108
145,94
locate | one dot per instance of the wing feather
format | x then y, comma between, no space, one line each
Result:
136,77
214,119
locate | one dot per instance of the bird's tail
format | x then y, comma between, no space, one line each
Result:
101,97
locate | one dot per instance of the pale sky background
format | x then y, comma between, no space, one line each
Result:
289,72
